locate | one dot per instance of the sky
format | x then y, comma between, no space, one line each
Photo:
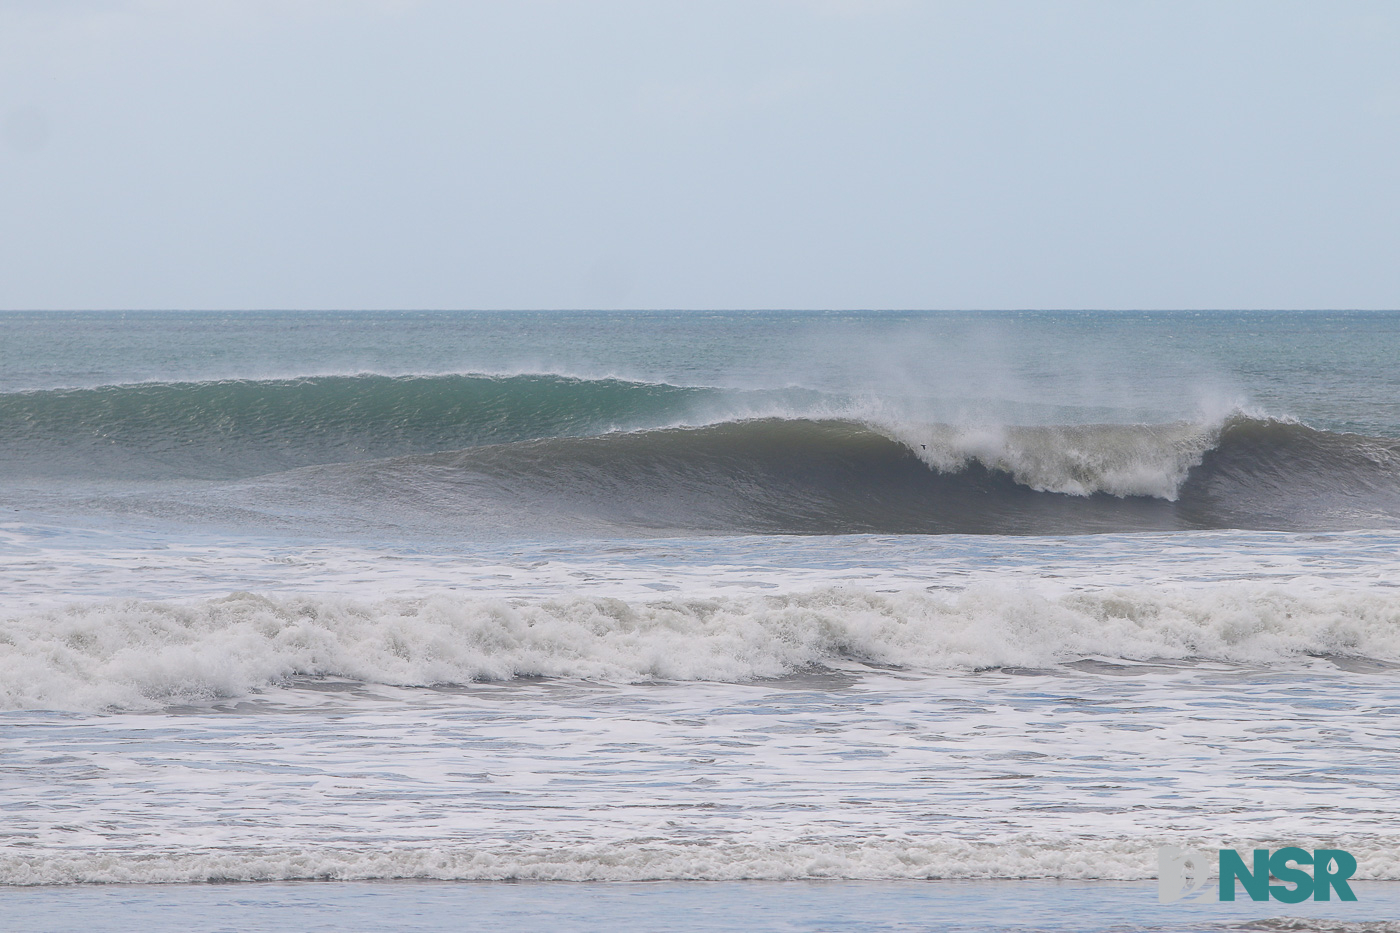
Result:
831,154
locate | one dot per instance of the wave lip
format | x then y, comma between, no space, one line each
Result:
1079,460
142,655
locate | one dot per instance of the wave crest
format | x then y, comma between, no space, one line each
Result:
244,427
1077,460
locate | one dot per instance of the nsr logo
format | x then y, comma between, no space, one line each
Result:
1183,872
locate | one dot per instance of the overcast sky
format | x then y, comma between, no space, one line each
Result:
756,154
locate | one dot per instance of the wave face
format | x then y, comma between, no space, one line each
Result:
552,454
778,476
139,654
237,428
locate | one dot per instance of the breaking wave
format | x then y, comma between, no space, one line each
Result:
554,453
135,654
798,476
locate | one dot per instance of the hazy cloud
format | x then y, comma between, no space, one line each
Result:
763,153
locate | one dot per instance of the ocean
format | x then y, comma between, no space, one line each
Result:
693,620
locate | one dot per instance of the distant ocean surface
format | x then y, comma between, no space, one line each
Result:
697,597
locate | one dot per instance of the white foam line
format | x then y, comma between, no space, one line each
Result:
1068,858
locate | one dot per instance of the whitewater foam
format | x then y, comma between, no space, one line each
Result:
882,775
1076,460
138,654
879,859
